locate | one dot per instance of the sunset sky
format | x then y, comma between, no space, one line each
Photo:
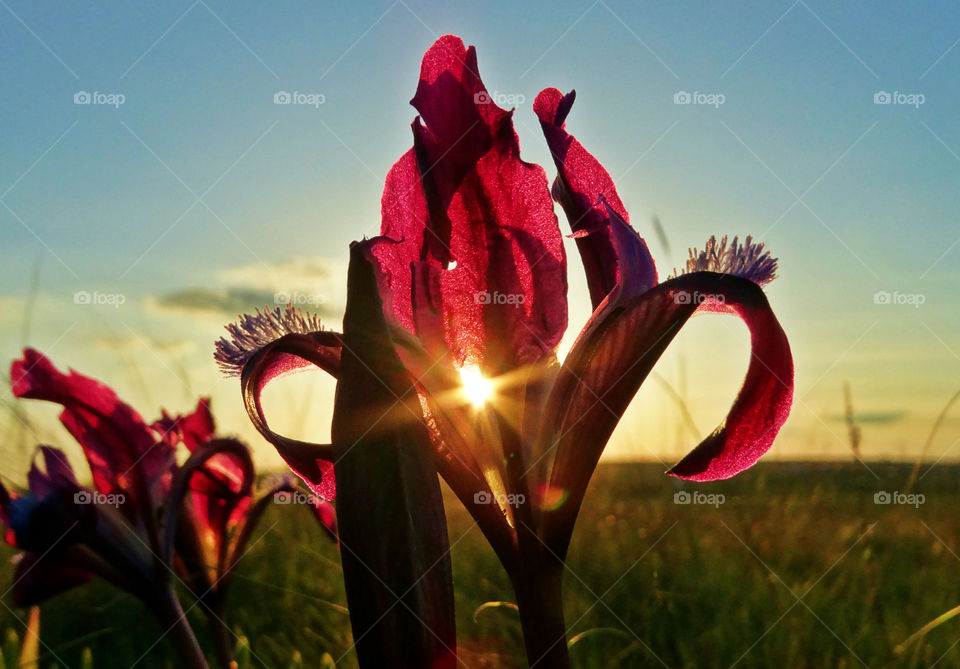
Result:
182,194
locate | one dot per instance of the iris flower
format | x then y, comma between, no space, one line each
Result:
211,513
70,532
471,271
145,518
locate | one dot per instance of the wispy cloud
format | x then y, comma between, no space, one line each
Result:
314,284
872,417
217,301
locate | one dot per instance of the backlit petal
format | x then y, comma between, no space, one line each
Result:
594,210
613,356
114,437
479,221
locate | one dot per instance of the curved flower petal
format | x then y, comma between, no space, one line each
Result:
311,462
220,492
192,429
464,204
617,350
270,344
761,406
589,199
114,437
219,478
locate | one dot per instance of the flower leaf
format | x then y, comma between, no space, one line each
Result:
393,534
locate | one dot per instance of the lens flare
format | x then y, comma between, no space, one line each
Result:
476,387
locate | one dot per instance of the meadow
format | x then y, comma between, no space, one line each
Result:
795,565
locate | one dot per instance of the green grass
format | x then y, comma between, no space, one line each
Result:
681,585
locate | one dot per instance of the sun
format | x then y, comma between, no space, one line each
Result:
477,388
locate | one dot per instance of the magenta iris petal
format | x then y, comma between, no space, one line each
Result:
479,222
403,209
193,429
326,515
311,462
594,210
113,435
762,405
220,494
615,353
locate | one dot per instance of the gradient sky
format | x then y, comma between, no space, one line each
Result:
199,197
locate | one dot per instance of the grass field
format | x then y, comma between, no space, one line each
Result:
798,567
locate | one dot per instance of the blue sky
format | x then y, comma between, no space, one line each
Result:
198,196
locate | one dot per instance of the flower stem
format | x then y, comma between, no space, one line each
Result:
182,638
220,632
540,602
